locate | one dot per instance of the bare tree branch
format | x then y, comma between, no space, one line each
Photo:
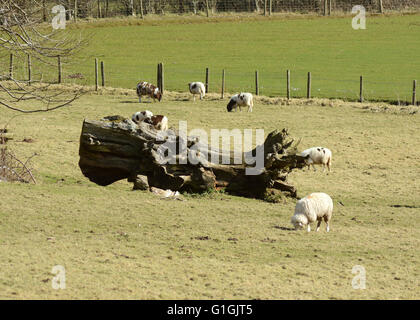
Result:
23,34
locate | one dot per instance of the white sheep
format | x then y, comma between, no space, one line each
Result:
240,100
316,206
197,88
318,155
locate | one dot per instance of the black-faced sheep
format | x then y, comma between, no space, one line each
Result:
240,100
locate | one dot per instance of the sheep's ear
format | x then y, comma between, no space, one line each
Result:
307,156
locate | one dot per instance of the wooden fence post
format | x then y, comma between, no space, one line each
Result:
308,92
329,7
96,74
288,84
29,70
223,83
414,102
271,7
162,78
207,80
103,74
325,7
59,69
265,7
11,66
257,89
361,89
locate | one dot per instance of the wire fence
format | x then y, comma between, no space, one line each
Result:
272,83
113,8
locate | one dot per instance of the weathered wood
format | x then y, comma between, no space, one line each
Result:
288,83
414,100
361,89
115,148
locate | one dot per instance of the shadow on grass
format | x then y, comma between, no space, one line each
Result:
284,228
131,101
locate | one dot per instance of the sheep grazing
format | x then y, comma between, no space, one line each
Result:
147,89
240,100
197,88
316,206
318,155
141,116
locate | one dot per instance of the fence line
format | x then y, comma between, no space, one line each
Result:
303,85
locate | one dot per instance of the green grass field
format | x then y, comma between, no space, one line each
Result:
116,243
336,55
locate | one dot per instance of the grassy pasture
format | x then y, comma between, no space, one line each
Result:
118,243
385,54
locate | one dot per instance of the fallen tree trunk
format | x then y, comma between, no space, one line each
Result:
116,148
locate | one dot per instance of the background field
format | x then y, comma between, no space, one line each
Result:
386,54
121,244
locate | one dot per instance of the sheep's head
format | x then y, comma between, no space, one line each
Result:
299,221
307,159
230,105
158,95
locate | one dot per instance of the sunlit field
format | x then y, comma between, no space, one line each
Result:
385,54
115,243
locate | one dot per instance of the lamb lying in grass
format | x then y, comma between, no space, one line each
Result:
316,206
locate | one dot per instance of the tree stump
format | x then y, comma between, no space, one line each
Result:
116,148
